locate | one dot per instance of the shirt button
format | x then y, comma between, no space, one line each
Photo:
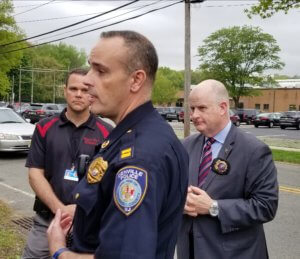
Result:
77,196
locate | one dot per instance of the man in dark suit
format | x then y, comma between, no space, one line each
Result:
233,185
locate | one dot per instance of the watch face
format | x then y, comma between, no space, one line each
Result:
214,209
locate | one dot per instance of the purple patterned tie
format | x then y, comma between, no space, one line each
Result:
206,161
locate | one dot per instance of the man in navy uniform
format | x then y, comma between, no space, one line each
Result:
57,143
130,203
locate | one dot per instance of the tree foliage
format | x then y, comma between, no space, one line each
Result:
238,56
9,32
164,91
51,57
266,8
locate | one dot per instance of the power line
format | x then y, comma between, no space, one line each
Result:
57,18
138,8
34,8
105,26
71,25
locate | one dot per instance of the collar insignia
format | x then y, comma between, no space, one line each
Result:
125,153
105,144
96,170
220,166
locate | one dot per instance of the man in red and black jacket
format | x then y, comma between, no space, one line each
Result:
53,159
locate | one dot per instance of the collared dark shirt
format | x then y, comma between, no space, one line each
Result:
56,145
150,231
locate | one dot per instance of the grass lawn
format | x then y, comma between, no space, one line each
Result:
11,239
286,156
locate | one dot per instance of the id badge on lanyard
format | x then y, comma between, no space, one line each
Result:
71,174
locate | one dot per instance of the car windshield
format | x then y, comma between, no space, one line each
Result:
9,116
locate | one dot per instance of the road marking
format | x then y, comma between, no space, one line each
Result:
17,190
289,189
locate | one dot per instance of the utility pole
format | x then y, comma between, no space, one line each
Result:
187,63
31,97
187,66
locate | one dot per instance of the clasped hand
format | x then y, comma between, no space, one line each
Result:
197,202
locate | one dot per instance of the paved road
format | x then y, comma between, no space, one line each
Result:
283,234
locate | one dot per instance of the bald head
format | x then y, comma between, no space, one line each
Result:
209,106
212,88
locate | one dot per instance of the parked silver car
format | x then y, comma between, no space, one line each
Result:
15,132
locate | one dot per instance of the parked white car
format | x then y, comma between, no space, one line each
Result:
15,132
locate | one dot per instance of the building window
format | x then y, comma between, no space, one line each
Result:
257,106
292,107
266,107
241,105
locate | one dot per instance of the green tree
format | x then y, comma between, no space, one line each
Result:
164,91
9,32
238,56
266,8
67,56
176,77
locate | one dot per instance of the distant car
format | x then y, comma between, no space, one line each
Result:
15,132
61,106
162,111
267,119
235,119
178,111
171,114
38,111
247,115
290,119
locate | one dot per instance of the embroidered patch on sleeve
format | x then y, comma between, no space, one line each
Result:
130,188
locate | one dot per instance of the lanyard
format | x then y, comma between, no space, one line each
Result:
74,153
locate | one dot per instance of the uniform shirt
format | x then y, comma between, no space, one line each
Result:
56,145
132,207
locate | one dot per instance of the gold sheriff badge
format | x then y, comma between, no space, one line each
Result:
96,170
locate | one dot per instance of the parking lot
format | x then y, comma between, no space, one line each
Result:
283,234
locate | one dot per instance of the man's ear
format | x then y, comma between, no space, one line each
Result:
223,108
138,79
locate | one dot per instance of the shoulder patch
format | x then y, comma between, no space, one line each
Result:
130,188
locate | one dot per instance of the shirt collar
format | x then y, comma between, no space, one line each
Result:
130,120
90,123
221,136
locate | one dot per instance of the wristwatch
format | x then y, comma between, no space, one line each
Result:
214,209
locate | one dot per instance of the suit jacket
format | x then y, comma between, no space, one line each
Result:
247,198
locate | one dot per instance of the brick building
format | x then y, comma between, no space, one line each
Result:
273,100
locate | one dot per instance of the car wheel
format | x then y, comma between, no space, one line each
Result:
282,127
256,125
271,124
298,126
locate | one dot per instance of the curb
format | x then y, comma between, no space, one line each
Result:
285,148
